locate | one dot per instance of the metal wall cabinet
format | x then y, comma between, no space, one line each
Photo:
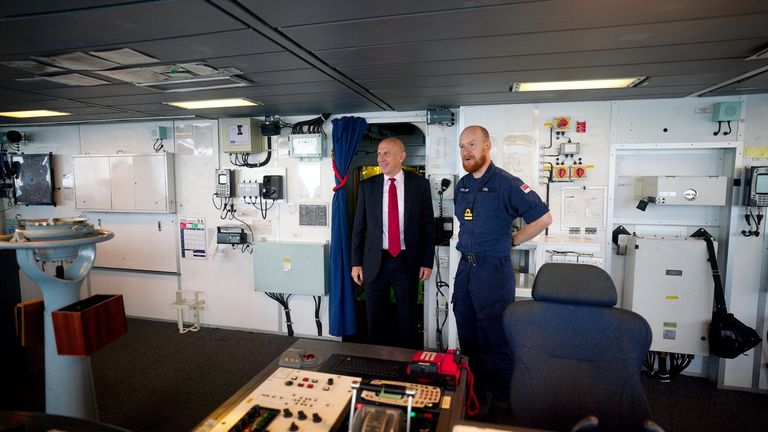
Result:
92,183
291,267
125,183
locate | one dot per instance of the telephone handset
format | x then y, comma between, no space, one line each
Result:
436,368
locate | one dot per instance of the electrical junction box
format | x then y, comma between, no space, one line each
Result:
726,111
160,133
291,267
682,190
307,145
569,148
231,235
436,180
249,189
241,135
669,283
441,116
272,187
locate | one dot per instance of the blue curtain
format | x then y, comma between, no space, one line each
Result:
347,132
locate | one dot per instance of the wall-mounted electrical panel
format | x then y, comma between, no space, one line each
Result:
241,135
669,282
272,187
726,111
125,183
682,190
290,267
307,145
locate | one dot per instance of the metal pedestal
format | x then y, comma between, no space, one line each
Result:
68,381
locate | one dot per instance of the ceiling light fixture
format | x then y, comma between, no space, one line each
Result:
33,113
208,82
214,103
575,85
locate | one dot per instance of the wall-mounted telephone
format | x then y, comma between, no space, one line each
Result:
225,183
756,187
436,368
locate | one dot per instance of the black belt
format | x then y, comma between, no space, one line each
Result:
476,260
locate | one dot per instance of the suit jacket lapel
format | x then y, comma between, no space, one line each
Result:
378,197
409,195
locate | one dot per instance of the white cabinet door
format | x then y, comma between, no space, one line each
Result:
92,183
121,172
150,182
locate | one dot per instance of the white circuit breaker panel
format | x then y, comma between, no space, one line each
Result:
669,282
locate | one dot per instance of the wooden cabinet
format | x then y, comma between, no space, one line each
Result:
125,183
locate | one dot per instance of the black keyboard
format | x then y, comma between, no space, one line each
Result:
366,367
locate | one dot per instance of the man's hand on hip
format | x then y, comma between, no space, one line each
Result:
357,274
424,273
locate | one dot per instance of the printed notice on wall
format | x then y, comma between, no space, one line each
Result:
192,236
583,207
313,215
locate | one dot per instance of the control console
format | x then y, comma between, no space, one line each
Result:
292,400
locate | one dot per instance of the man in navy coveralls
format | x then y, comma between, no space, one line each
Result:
487,200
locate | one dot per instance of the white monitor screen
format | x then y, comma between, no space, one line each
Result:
761,184
222,179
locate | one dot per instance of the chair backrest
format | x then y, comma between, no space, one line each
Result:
575,354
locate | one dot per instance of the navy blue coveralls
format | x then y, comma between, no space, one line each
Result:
485,281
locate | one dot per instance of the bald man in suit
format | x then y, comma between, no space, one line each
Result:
393,251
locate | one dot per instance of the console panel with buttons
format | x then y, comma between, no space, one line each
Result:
292,400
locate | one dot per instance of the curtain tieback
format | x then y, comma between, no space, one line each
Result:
342,180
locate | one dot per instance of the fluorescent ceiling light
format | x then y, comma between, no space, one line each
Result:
213,103
575,85
196,83
33,113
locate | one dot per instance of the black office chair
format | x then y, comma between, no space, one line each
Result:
575,355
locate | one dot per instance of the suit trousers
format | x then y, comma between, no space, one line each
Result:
388,324
482,292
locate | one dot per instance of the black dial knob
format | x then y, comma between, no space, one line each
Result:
294,427
301,416
287,412
330,381
316,418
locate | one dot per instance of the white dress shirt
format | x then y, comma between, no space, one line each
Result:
400,186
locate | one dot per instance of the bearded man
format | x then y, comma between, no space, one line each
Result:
487,200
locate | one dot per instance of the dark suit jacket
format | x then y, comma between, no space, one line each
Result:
368,229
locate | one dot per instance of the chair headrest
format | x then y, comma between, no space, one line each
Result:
574,283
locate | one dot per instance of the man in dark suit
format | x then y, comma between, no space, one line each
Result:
392,245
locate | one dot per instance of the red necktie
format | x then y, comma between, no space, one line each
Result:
393,220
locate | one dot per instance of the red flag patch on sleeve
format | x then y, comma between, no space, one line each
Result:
525,188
